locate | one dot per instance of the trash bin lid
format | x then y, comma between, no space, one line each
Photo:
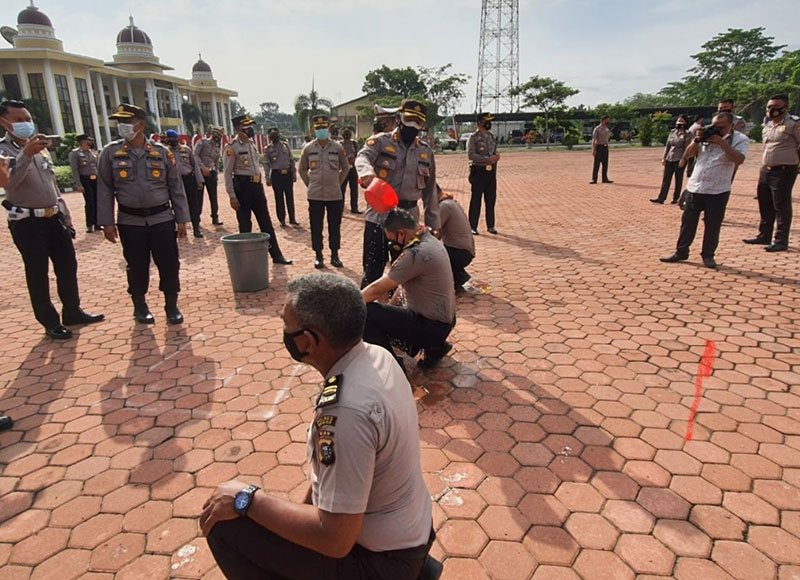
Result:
250,237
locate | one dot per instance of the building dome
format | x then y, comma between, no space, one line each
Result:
32,15
132,34
201,66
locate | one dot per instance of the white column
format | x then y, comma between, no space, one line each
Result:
52,98
104,109
152,97
115,92
23,81
73,98
128,85
93,108
230,119
179,104
214,114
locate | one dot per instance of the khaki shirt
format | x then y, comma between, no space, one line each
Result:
83,163
409,169
33,181
364,451
677,144
423,269
351,149
323,169
187,162
601,135
140,177
240,158
278,157
781,142
480,147
456,231
207,152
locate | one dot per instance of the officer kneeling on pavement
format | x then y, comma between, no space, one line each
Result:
142,176
423,270
367,511
40,223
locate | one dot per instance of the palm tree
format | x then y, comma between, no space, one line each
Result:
306,106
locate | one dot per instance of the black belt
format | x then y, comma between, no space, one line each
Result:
144,211
248,178
407,203
781,167
281,171
601,145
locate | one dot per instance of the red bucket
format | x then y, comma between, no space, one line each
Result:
380,195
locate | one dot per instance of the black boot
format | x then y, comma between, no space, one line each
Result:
215,221
174,315
319,262
141,311
197,232
335,261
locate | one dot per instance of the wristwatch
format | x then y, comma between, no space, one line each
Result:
243,499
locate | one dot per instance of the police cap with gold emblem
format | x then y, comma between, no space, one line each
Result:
273,131
242,121
320,121
83,137
484,118
413,112
126,112
384,112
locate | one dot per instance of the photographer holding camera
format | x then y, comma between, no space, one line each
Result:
719,150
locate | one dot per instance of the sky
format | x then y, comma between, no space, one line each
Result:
270,50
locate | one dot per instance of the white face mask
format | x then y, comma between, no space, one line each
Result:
126,131
23,130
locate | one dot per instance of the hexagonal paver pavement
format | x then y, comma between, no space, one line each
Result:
553,436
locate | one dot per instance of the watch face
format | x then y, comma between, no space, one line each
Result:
241,501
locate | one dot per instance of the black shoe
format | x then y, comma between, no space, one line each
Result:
493,231
89,230
593,182
283,224
319,262
141,311
658,200
215,222
294,223
431,569
58,333
98,228
607,181
777,248
335,261
81,317
756,241
434,355
281,260
356,212
475,232
676,257
709,263
6,422
198,233
674,202
174,315
461,279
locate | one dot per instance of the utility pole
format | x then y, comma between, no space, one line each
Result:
498,57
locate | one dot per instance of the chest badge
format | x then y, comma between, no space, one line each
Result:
156,173
123,174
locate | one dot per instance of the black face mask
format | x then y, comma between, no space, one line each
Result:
396,245
776,112
172,142
680,127
274,138
291,345
487,125
346,135
408,134
216,138
249,131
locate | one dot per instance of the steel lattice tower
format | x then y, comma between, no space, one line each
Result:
498,57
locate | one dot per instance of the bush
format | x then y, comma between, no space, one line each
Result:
646,131
570,140
68,143
755,133
662,133
64,177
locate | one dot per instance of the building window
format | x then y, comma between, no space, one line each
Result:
42,112
62,91
208,116
11,83
86,108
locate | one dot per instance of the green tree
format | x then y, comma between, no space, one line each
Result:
237,109
388,82
545,94
306,106
270,115
192,117
68,142
646,101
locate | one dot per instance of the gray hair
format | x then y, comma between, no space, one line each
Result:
330,304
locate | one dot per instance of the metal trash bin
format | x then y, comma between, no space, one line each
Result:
247,260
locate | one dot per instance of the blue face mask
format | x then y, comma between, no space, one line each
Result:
23,130
322,134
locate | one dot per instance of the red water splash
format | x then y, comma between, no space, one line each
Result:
703,371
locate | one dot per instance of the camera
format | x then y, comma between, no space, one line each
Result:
709,131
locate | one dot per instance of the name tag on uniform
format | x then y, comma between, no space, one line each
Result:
257,178
488,168
92,177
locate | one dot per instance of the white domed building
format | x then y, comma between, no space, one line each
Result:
77,92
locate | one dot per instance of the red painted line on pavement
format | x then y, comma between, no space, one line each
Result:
703,371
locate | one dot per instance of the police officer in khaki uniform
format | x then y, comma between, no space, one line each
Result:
40,222
779,163
207,152
351,150
726,106
456,237
483,158
245,189
601,136
385,120
191,175
323,168
281,174
423,270
142,177
83,161
677,142
367,514
408,165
